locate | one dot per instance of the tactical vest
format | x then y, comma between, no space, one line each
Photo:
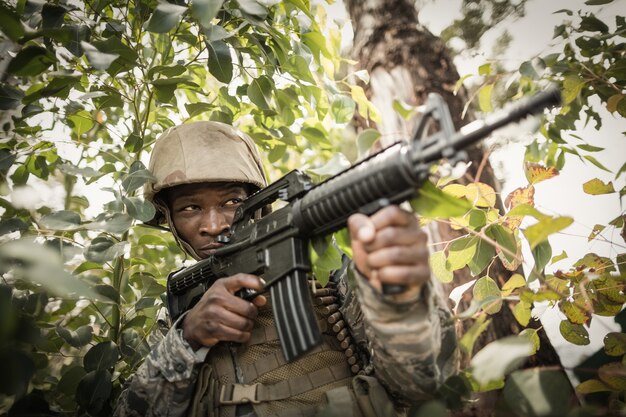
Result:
255,376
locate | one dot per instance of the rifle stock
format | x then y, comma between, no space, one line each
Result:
276,246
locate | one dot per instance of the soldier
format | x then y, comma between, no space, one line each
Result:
380,353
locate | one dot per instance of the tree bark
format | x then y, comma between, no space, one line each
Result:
406,62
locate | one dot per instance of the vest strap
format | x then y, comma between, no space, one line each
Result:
231,394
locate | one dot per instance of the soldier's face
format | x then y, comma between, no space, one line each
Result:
201,212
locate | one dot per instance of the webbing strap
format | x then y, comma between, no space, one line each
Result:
252,393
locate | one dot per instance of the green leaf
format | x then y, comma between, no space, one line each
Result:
527,69
506,240
137,177
342,109
469,338
482,258
108,293
12,225
574,333
615,344
42,265
61,220
462,251
10,23
591,386
94,391
165,17
500,357
253,7
540,231
597,2
205,10
572,86
597,187
533,336
592,24
539,392
484,98
440,268
99,60
434,203
596,163
487,289
614,375
260,92
139,208
76,338
10,97
111,222
484,69
103,249
70,379
220,61
102,356
81,122
365,140
325,258
83,171
542,254
31,61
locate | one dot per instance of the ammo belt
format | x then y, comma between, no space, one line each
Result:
232,394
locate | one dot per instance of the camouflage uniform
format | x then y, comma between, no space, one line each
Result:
408,347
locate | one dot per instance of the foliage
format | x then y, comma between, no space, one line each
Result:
89,89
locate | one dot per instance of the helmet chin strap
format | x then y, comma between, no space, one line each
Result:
186,247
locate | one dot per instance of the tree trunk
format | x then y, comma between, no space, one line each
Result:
406,62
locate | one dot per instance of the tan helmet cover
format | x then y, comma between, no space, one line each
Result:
198,152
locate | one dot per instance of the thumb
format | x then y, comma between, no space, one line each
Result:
361,228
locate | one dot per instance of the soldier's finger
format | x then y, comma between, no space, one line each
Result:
392,216
361,228
404,275
397,236
240,281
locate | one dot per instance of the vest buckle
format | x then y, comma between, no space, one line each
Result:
233,394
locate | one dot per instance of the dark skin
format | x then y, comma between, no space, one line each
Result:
388,247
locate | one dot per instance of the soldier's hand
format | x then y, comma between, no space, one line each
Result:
222,316
389,247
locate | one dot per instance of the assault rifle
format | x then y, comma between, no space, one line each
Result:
277,245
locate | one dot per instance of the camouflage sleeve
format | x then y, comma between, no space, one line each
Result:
163,385
411,345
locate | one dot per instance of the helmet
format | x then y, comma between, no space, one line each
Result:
197,152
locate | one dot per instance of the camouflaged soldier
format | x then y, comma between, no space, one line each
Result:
379,354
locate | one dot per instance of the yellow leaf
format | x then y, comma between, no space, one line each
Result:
597,187
456,190
516,281
521,311
439,265
484,98
521,195
613,101
536,173
482,195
